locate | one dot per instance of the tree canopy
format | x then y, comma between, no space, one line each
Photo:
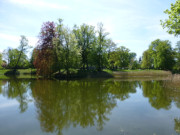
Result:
173,22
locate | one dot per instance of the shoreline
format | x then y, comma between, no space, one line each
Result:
122,74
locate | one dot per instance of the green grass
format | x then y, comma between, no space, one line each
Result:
2,71
26,73
108,71
23,73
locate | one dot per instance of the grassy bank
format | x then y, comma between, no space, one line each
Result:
106,73
21,73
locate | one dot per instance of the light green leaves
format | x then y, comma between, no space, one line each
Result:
173,22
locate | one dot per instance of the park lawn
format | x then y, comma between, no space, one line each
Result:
2,71
21,71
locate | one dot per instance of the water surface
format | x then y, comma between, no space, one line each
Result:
89,107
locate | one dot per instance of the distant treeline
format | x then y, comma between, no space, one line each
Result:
60,48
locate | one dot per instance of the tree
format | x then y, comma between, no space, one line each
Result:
12,55
173,22
147,60
1,60
44,53
17,58
85,36
22,49
121,57
177,56
67,51
162,54
111,46
101,46
133,64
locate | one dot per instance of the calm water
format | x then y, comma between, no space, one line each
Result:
89,107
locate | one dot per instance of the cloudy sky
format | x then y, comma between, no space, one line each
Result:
131,23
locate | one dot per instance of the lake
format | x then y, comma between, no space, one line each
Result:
89,107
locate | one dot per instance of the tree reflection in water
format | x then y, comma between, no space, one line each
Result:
177,125
160,96
61,104
85,103
16,89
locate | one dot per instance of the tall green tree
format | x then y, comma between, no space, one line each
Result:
173,22
85,35
101,47
67,51
111,47
22,49
12,55
1,60
162,54
177,56
147,61
133,64
120,58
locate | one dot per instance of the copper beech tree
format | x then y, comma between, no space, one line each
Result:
44,55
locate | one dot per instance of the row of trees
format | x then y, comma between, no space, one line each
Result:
85,48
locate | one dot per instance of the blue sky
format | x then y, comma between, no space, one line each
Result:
131,23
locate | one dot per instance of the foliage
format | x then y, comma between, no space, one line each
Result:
22,49
12,56
146,60
67,52
173,22
101,48
177,57
121,58
1,61
17,58
44,53
85,35
111,47
160,55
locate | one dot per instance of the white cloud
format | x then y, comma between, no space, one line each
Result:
9,39
39,4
